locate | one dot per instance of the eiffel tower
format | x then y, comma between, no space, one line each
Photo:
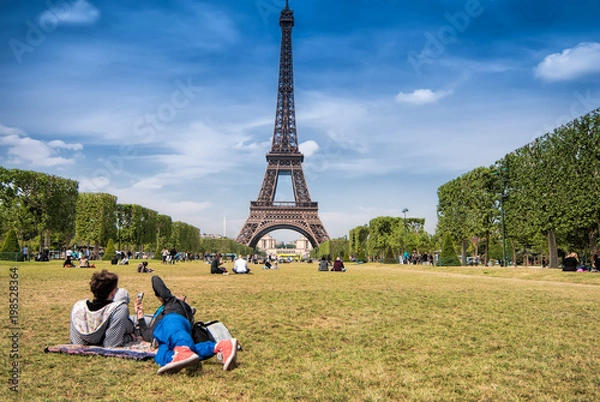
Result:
266,214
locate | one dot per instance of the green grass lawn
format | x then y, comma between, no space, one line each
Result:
373,333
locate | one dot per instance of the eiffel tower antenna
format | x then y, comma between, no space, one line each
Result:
284,158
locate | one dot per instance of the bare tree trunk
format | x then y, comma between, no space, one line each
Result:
593,236
552,250
487,248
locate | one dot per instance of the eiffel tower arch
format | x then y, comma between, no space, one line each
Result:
284,159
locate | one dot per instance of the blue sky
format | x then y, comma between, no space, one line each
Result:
171,105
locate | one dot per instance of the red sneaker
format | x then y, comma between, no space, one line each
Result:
228,351
183,357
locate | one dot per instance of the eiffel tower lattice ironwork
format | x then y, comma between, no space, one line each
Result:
266,214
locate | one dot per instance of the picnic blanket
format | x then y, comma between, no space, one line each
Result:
133,350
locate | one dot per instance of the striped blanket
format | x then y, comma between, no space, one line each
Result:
133,350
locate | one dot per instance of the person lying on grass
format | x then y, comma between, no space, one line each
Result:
104,321
143,267
171,326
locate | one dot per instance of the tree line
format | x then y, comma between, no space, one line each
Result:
48,211
539,199
385,238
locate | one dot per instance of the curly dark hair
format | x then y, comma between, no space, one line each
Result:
102,283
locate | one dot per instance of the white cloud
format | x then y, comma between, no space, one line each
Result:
78,12
151,183
572,63
31,153
64,145
308,148
94,184
192,212
422,96
4,130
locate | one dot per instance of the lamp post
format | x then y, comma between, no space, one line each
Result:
500,172
404,211
504,262
118,216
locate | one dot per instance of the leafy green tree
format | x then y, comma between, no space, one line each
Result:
414,234
96,217
137,225
483,203
164,231
37,203
358,242
11,243
382,232
551,185
546,188
534,194
60,209
453,213
448,256
332,249
109,252
468,208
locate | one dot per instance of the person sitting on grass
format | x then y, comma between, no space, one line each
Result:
171,326
570,262
84,262
241,266
68,262
215,266
323,264
338,265
104,321
596,262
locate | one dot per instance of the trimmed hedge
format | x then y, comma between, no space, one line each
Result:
11,256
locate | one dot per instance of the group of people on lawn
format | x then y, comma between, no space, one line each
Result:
239,267
338,265
571,263
84,262
105,321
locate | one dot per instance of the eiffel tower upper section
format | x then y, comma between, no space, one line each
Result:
285,140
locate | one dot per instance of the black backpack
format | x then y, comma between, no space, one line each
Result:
214,331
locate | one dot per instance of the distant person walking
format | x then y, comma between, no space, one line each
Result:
173,254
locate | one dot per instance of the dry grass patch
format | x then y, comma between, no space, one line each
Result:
374,333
